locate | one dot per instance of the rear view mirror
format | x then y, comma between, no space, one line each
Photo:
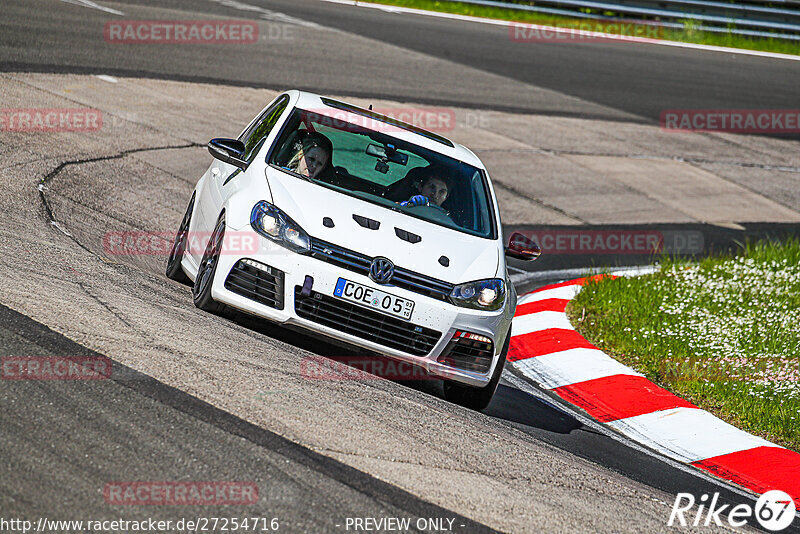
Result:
228,150
521,247
387,153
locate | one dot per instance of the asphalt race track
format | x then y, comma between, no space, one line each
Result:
196,397
450,63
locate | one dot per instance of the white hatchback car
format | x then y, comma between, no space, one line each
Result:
338,220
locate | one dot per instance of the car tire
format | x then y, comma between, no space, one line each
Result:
174,271
477,398
203,282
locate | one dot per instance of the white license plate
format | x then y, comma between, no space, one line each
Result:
374,298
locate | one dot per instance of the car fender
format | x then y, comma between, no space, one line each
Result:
246,190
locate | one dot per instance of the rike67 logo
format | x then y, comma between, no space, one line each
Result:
774,511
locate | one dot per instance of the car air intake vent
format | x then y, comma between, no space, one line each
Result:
470,352
405,235
365,323
258,282
366,223
360,263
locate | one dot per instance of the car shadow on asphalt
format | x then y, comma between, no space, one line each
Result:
509,403
516,406
301,339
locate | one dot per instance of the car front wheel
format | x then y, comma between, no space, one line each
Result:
174,270
201,291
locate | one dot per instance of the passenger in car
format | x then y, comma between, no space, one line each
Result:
313,156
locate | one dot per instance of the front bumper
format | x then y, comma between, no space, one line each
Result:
430,328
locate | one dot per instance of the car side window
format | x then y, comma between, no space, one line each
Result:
254,137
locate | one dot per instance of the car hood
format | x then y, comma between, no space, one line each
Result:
470,257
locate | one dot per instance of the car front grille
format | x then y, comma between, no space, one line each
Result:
360,263
258,282
365,323
468,352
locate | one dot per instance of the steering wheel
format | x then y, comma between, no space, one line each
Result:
439,210
432,205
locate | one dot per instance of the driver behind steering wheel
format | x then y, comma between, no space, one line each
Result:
432,191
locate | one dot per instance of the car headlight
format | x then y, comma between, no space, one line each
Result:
481,295
269,221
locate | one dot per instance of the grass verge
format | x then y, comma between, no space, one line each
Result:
688,34
723,333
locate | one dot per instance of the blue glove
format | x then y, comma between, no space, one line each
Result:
416,200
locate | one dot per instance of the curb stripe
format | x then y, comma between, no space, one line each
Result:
546,348
535,322
620,396
560,370
565,292
545,342
687,434
562,290
556,305
759,469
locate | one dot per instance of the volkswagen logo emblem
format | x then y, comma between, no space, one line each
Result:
381,270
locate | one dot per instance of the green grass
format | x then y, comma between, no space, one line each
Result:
689,34
723,333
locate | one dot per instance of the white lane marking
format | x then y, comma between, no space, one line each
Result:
635,271
534,322
93,5
266,14
555,29
561,405
571,366
565,274
687,434
107,78
563,292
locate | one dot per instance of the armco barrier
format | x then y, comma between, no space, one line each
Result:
750,19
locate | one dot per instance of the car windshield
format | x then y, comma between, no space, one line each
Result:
369,164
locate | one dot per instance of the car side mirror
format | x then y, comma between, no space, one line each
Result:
228,150
521,247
